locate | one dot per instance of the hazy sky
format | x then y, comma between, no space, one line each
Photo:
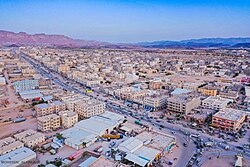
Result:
128,20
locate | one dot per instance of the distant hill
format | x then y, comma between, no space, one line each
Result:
242,45
19,39
12,39
198,43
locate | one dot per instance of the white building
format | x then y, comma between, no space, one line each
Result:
68,118
86,132
215,103
17,157
27,84
155,102
2,81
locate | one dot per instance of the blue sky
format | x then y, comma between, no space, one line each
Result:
128,20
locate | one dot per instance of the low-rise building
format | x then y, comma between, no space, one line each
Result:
28,72
143,149
49,108
89,107
208,90
215,103
27,84
48,122
85,132
156,84
182,104
155,102
30,137
9,144
229,120
43,109
18,157
2,81
68,118
30,94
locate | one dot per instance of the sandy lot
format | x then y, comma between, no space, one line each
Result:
224,161
12,128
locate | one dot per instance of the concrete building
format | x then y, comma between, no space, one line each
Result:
30,137
9,144
28,72
229,120
44,82
86,132
193,86
84,106
156,84
2,81
182,104
155,102
215,103
27,84
48,122
68,118
89,107
49,108
18,157
145,147
70,100
30,94
208,90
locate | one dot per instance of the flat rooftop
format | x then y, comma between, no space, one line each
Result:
156,140
47,117
28,135
42,106
88,102
68,113
231,114
18,155
179,91
97,124
130,145
78,136
216,100
102,162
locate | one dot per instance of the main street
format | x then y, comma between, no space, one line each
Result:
176,129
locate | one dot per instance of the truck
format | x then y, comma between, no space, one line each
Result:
17,120
76,155
111,136
98,149
36,99
138,122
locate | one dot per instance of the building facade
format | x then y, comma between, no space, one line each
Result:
182,105
229,120
68,118
48,122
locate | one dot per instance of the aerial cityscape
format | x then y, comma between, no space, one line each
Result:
123,83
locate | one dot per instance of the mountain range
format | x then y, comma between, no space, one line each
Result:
8,38
22,39
200,43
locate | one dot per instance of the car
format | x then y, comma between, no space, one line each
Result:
112,144
239,147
